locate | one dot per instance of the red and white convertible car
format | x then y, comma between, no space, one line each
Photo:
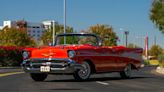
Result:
82,56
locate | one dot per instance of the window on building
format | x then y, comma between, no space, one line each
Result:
33,31
29,31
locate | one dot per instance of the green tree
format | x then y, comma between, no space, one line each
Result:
155,50
157,14
47,36
106,33
15,37
161,58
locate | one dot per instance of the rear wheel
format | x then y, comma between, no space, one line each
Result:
83,74
38,76
126,73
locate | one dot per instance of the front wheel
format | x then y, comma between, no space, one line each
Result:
38,76
126,73
84,73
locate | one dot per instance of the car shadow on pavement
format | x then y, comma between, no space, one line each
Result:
96,79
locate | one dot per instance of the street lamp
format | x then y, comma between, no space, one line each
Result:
64,21
126,35
53,32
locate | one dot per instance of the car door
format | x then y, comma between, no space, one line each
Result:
119,59
106,59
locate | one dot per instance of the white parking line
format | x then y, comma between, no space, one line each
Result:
103,83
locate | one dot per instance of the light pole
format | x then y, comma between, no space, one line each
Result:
126,35
122,36
53,33
64,21
146,47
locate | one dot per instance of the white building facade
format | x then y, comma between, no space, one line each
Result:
8,24
1,27
47,24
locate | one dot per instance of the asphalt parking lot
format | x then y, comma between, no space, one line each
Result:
142,81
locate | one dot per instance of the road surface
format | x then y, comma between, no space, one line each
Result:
142,81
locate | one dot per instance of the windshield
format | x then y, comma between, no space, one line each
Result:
77,39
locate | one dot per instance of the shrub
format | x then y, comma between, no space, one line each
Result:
10,55
155,51
146,62
161,58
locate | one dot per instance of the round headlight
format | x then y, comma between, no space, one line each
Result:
25,54
71,54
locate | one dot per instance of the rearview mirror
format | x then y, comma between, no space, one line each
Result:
50,44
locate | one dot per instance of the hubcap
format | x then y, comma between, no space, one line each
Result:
85,72
128,70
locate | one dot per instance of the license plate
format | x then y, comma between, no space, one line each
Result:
45,68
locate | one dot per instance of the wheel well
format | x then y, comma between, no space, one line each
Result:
93,69
133,66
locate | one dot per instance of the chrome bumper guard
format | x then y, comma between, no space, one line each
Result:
55,65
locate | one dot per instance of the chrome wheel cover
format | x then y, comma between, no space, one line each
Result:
85,72
128,71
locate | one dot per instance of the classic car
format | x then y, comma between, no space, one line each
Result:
80,55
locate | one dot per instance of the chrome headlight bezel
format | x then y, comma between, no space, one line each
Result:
71,54
25,55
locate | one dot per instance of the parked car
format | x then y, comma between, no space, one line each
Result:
80,55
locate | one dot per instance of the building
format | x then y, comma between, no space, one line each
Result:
1,27
8,24
47,24
34,30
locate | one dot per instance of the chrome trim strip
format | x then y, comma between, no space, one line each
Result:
52,59
68,67
123,55
66,70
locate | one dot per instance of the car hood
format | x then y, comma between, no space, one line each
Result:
59,51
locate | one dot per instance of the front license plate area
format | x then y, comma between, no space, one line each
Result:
45,69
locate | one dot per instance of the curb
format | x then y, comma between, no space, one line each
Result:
160,70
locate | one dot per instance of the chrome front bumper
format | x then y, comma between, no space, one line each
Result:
63,66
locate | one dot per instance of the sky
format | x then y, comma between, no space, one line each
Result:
122,15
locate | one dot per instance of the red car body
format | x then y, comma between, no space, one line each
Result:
81,58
